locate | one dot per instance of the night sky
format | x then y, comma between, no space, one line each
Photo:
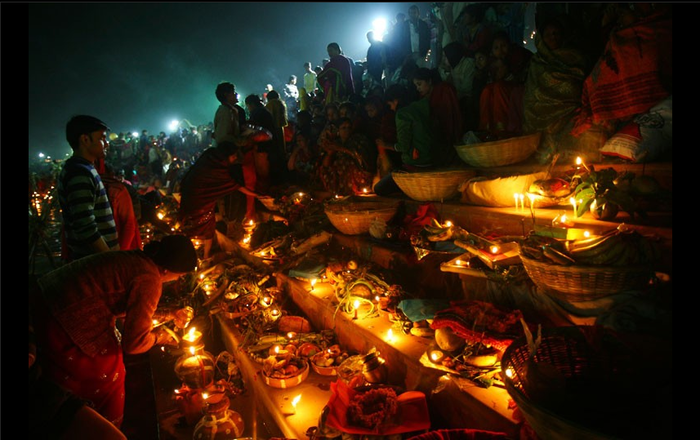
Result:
140,65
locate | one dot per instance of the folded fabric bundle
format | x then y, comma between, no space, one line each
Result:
478,321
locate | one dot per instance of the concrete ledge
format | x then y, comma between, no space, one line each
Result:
454,406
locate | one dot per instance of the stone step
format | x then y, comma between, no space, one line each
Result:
453,403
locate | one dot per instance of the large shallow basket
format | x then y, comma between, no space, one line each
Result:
499,153
585,283
432,186
609,385
355,218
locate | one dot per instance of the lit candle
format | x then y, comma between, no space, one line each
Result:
448,224
494,249
580,162
295,401
564,220
586,234
532,207
192,337
290,408
313,283
390,336
291,335
573,203
356,305
436,356
522,202
516,197
278,351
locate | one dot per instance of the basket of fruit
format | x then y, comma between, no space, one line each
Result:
326,362
285,371
590,268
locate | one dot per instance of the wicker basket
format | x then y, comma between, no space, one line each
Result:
355,218
433,186
608,385
499,153
585,283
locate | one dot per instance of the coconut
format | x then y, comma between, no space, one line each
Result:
447,340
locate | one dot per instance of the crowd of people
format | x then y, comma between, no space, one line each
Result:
341,128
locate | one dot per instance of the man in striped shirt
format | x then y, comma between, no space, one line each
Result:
88,221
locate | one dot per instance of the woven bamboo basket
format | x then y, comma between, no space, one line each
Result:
585,283
432,186
604,384
499,153
355,218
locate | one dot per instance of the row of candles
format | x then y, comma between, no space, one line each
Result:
520,202
519,198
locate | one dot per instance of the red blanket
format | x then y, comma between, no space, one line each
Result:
628,78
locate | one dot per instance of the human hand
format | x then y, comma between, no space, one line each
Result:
165,337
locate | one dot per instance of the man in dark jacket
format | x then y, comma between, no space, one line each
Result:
412,37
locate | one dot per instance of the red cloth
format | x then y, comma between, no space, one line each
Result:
629,77
413,224
412,412
99,379
124,217
479,321
74,312
210,178
501,107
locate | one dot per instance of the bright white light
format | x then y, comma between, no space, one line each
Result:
41,154
174,124
379,26
135,134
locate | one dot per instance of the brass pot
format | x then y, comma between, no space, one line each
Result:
374,368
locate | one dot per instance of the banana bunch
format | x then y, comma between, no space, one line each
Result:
546,249
619,247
